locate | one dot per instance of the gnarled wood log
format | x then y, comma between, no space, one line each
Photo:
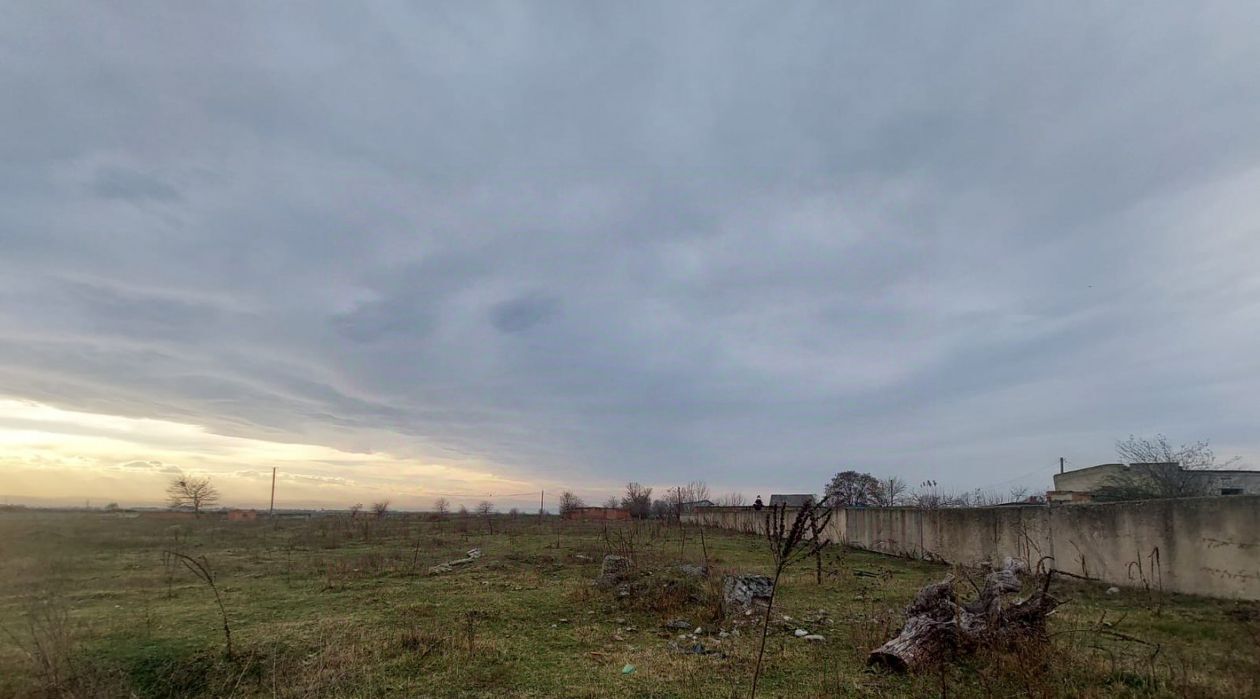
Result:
938,627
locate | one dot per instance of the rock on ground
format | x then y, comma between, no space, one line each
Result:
745,592
473,555
614,569
693,571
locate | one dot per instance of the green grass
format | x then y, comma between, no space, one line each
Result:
333,607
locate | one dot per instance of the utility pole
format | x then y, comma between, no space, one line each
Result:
271,512
541,493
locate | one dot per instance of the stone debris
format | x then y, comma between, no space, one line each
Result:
746,593
614,569
801,633
678,624
694,649
473,555
818,616
813,637
693,571
1113,590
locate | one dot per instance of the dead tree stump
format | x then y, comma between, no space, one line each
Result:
938,627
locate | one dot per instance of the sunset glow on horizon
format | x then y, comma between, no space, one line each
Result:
52,456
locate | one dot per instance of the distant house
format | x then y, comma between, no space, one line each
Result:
688,507
791,500
597,514
242,515
1081,484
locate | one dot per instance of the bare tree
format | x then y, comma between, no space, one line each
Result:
852,489
732,500
569,502
380,508
929,496
983,498
962,499
612,502
485,508
678,496
514,512
695,491
442,506
355,509
890,492
1157,469
638,500
190,492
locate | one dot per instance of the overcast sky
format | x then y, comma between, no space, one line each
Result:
410,249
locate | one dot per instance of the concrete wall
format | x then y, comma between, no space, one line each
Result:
1246,481
749,521
1214,481
1205,546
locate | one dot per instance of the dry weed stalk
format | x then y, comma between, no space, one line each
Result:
789,545
201,569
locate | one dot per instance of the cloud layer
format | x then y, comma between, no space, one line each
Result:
745,243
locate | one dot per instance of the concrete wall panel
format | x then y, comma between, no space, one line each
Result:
1206,546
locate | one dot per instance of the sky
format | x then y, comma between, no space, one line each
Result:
477,250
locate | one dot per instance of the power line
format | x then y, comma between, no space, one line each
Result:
1012,480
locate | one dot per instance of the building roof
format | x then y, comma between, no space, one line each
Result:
1091,468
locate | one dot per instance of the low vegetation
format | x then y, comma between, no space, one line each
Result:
116,604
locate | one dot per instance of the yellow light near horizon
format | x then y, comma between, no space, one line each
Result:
44,445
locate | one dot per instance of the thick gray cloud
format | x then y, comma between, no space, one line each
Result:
745,243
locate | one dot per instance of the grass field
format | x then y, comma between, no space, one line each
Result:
90,606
